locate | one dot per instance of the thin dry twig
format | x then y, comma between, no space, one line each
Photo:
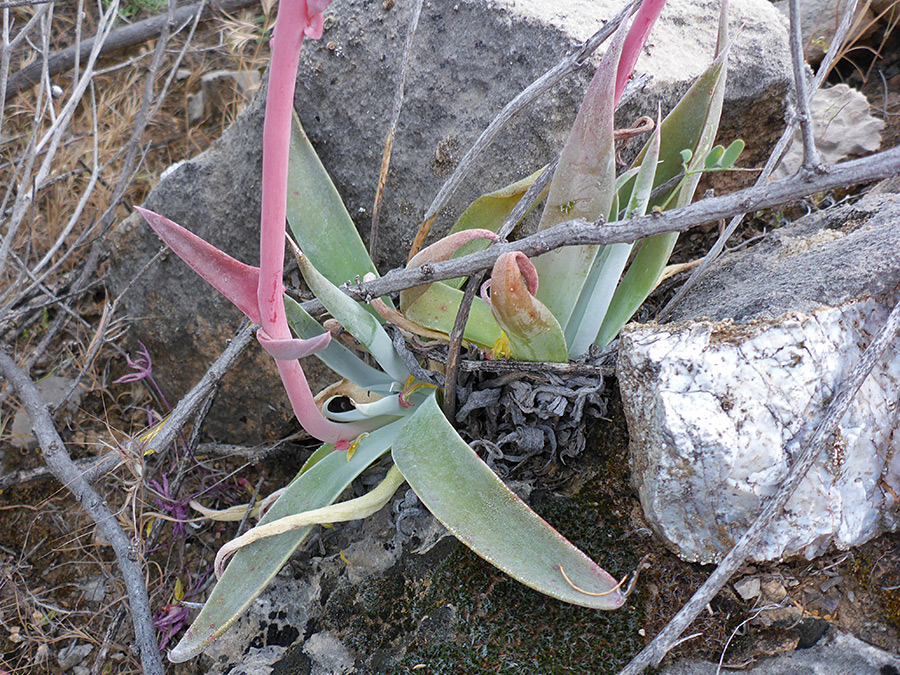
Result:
809,450
392,129
121,38
191,402
456,336
811,159
580,232
774,160
52,138
70,475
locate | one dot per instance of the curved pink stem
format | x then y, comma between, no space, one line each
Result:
293,22
637,35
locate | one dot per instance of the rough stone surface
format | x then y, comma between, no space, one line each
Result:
837,653
469,59
819,20
285,630
753,358
843,128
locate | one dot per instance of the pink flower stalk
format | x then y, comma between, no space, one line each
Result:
640,28
258,292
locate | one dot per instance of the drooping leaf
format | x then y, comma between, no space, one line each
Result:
692,125
441,250
254,567
533,332
583,186
355,319
318,218
468,498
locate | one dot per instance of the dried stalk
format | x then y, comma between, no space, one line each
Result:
392,129
70,475
811,159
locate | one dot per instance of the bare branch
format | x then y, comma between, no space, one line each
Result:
456,337
810,449
188,405
70,475
811,160
579,232
774,160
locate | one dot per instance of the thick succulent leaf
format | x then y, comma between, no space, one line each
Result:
532,330
317,216
355,319
490,211
604,276
320,453
233,279
389,406
437,310
336,356
691,125
468,498
583,186
254,567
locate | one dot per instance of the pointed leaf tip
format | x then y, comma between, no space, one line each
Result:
474,504
233,279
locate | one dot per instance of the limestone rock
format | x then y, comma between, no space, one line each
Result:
468,60
755,354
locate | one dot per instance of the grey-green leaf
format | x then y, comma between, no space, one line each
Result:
253,567
474,504
317,216
336,356
355,319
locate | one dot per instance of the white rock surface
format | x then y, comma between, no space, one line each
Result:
721,402
713,403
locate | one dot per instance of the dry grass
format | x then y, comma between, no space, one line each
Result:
59,586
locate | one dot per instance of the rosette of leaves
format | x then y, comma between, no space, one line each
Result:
390,412
548,310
